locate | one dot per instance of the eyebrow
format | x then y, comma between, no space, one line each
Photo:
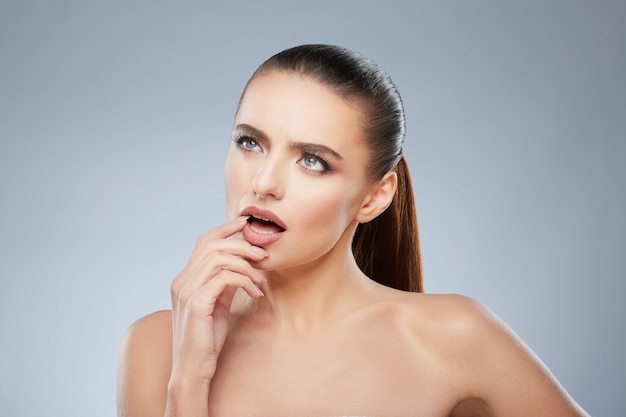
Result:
250,130
306,147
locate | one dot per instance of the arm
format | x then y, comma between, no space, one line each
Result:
499,369
144,366
144,384
167,363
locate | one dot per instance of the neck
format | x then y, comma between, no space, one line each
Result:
313,295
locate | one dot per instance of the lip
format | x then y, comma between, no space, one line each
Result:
261,239
263,214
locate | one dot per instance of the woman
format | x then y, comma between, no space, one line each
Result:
308,301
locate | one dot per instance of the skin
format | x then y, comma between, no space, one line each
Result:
295,328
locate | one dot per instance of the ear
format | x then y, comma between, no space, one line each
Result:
378,198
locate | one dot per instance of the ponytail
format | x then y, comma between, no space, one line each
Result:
387,249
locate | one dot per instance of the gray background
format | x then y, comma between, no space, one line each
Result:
115,118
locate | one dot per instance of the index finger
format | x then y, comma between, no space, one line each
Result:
227,229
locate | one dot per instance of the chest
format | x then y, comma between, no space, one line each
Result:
348,374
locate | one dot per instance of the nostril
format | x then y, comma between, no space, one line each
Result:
266,184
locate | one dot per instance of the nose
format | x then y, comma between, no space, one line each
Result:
268,181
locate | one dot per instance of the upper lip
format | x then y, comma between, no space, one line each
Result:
263,215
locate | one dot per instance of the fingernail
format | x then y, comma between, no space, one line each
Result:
260,251
258,291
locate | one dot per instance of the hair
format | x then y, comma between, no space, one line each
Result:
387,248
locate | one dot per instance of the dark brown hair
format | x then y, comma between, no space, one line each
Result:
387,248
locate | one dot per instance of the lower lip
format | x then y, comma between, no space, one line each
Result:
259,239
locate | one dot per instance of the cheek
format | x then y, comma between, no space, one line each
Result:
334,208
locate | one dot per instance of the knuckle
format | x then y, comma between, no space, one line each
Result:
197,305
185,295
176,284
216,261
213,257
224,279
201,239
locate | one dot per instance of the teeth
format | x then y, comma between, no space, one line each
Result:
262,218
262,232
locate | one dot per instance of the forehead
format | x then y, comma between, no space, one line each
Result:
300,108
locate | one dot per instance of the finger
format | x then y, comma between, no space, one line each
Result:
187,282
215,264
218,234
234,246
202,326
202,302
209,251
205,245
227,229
220,261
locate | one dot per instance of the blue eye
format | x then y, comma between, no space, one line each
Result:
246,143
249,143
310,162
314,164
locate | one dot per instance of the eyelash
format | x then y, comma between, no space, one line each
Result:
241,139
319,159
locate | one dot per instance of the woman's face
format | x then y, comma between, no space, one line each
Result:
298,158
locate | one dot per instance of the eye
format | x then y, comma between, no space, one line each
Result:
314,164
246,143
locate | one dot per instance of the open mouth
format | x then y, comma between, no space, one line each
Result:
264,226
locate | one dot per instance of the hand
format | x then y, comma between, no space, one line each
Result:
202,294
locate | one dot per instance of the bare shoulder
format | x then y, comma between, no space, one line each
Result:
465,328
144,365
490,363
448,327
443,314
466,331
152,321
446,318
458,316
150,335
